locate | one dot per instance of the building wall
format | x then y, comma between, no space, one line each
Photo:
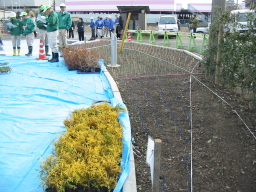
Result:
106,5
27,3
201,7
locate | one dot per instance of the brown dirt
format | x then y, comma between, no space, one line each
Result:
194,119
223,150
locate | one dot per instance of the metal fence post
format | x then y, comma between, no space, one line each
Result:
113,51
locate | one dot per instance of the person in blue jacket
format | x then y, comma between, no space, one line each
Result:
92,25
111,25
105,27
116,21
99,26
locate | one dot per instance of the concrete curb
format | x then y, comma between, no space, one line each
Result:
130,183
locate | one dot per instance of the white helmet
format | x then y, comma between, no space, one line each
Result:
91,18
13,14
109,17
62,5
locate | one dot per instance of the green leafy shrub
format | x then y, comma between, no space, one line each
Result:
237,67
88,155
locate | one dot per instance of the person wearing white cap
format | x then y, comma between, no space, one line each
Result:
105,27
116,21
65,22
28,26
111,25
15,27
92,25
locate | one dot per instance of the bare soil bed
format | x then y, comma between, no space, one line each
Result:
207,132
223,149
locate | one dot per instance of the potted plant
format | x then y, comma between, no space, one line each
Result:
5,69
81,59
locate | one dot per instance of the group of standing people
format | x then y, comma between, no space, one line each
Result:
18,28
51,26
101,28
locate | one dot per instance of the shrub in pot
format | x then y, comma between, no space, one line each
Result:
5,69
80,58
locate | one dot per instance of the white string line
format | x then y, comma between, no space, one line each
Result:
195,66
244,123
227,104
191,137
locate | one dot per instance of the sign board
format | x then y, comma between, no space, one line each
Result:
150,155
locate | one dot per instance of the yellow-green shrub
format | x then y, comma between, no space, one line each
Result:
88,155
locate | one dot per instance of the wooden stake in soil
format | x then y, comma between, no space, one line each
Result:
157,164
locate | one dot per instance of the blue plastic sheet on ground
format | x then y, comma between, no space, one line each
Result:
35,98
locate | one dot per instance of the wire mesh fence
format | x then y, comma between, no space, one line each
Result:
208,133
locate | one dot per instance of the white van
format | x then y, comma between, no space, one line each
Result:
168,23
241,20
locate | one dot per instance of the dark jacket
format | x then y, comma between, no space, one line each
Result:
120,26
80,26
72,26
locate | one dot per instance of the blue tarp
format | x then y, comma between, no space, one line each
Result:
35,98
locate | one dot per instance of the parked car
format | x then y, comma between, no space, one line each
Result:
201,23
204,30
242,20
167,23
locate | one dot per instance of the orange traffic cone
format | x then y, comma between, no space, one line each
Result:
41,51
129,37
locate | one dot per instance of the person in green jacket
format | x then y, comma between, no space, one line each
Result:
15,27
65,22
52,22
42,28
28,26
